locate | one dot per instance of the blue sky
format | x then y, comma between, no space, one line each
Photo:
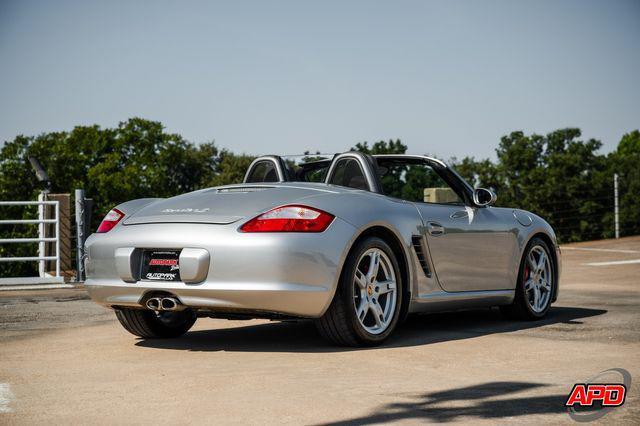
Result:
447,77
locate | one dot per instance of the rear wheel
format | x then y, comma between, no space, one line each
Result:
152,324
366,306
536,283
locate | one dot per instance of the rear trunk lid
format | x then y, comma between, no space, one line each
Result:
221,205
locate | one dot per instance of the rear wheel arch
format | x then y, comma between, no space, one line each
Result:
392,239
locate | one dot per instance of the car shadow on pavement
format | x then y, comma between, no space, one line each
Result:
418,330
484,401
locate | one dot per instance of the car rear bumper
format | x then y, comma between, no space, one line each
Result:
283,273
281,298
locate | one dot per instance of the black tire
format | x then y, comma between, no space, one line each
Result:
340,324
149,325
520,309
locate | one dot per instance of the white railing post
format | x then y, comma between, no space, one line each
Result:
44,279
615,205
41,234
80,206
57,210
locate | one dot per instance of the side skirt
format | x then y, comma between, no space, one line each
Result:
446,301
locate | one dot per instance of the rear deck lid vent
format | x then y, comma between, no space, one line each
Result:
237,189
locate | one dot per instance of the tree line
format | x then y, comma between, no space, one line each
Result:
558,176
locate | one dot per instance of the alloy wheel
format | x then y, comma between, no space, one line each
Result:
375,291
538,279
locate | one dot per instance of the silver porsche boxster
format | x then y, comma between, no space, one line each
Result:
354,242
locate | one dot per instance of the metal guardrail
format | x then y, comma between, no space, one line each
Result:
41,239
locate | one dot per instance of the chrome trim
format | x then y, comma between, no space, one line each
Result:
491,201
435,229
153,303
164,304
170,304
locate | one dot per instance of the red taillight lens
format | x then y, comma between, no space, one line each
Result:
289,219
110,220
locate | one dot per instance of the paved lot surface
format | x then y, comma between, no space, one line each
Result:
64,359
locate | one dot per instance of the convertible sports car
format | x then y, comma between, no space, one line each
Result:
356,242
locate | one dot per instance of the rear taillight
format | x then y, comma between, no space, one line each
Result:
289,219
110,220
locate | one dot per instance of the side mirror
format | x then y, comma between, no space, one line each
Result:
484,197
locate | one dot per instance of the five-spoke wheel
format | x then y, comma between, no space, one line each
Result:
536,283
538,278
374,291
366,307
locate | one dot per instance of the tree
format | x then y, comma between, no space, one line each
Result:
479,173
393,181
135,160
308,157
556,176
625,161
231,168
381,147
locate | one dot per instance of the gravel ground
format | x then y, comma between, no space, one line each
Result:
65,359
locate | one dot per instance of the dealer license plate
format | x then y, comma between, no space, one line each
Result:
160,265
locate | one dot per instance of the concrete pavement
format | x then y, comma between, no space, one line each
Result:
65,359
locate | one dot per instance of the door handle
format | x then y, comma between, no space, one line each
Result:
435,228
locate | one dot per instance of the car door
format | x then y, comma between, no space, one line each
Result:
472,248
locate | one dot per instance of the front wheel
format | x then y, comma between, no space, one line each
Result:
151,324
536,283
366,306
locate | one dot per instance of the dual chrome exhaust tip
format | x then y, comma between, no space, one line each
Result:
164,304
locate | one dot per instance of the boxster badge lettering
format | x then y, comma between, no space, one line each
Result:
186,210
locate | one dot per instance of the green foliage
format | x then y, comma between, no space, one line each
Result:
231,168
556,176
135,160
478,173
381,147
309,158
394,180
626,162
